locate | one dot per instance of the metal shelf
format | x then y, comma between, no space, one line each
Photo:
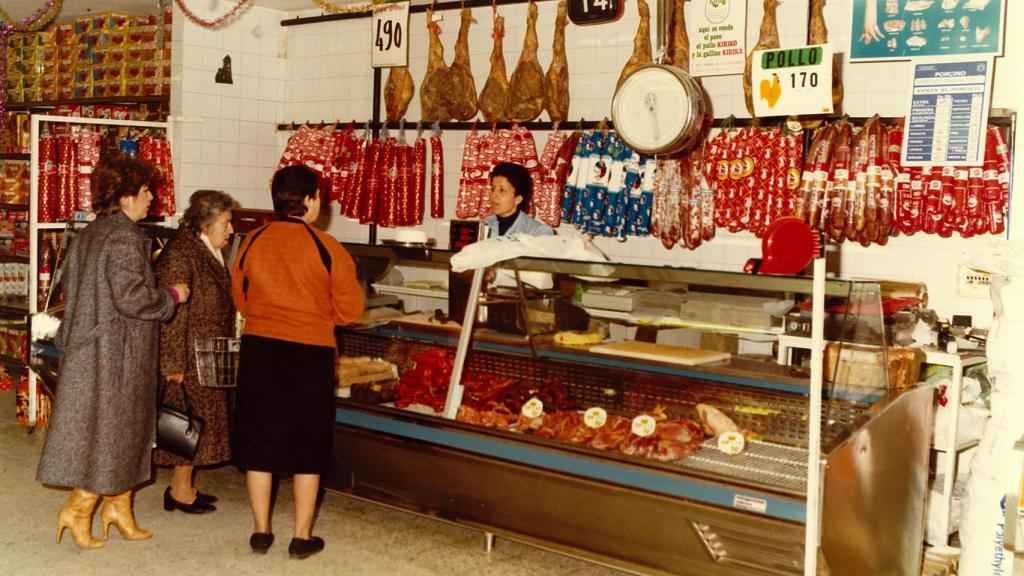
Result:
13,258
406,291
19,206
14,306
21,156
130,100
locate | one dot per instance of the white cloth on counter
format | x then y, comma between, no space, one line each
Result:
493,250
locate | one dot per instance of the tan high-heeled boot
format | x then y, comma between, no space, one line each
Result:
117,510
77,515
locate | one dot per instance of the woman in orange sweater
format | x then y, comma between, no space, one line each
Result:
293,284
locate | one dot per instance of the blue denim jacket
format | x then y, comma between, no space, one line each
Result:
524,224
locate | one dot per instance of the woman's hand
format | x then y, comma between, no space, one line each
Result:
178,378
181,292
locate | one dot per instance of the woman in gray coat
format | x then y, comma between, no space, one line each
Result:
104,413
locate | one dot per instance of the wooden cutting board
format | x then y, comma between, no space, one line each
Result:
661,353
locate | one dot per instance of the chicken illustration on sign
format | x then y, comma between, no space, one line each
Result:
770,91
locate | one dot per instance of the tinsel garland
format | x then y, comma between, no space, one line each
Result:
41,17
351,9
210,24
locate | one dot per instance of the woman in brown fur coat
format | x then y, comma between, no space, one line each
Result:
194,257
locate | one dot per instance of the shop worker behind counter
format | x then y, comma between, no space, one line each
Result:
104,415
194,257
293,284
511,190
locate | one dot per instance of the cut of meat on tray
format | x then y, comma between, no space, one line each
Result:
641,43
714,421
526,88
462,103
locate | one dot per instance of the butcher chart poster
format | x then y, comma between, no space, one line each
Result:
719,30
948,113
905,29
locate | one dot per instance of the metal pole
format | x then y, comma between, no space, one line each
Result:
812,532
454,399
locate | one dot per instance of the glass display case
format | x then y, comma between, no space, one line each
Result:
572,418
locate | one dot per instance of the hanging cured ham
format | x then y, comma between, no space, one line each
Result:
679,42
556,83
526,88
641,43
398,92
462,101
494,96
768,39
819,35
437,84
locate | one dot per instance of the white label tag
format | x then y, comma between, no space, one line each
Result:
749,503
389,34
643,425
595,417
792,81
533,408
731,442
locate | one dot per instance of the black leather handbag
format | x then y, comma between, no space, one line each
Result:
178,431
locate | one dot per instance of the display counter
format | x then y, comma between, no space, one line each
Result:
671,502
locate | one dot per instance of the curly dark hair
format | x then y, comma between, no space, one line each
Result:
118,176
204,207
290,187
519,177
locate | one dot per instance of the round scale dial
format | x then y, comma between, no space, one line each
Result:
658,109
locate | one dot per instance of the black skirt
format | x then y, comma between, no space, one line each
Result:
284,407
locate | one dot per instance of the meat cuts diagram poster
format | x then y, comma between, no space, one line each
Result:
948,113
904,29
719,30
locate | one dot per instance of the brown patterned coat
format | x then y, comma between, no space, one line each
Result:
209,313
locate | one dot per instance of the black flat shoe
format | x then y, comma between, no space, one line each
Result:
205,498
196,507
300,548
260,542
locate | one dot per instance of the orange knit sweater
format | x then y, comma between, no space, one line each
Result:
290,295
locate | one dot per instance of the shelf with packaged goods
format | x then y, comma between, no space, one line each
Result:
17,206
127,100
38,121
15,156
13,258
14,305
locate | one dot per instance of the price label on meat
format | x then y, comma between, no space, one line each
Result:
643,425
595,417
389,34
533,408
792,81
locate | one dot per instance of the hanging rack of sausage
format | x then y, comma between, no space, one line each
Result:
843,176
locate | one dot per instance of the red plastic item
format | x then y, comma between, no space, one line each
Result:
788,246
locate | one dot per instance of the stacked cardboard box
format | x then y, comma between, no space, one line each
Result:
100,55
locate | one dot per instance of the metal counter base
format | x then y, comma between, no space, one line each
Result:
618,526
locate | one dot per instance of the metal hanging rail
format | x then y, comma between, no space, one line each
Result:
303,20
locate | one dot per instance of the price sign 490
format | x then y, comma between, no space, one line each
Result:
390,21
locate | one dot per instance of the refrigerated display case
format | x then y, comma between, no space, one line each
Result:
639,503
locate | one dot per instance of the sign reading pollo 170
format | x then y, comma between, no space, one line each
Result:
792,81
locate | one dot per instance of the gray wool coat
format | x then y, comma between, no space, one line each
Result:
104,413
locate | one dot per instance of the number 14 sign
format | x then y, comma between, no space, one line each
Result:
389,34
583,12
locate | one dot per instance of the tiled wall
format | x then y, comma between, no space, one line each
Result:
326,76
225,133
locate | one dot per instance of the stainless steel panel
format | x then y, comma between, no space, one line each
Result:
875,488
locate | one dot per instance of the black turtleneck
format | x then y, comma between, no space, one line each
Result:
505,222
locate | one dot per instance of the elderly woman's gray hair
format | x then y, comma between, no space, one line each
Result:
204,207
